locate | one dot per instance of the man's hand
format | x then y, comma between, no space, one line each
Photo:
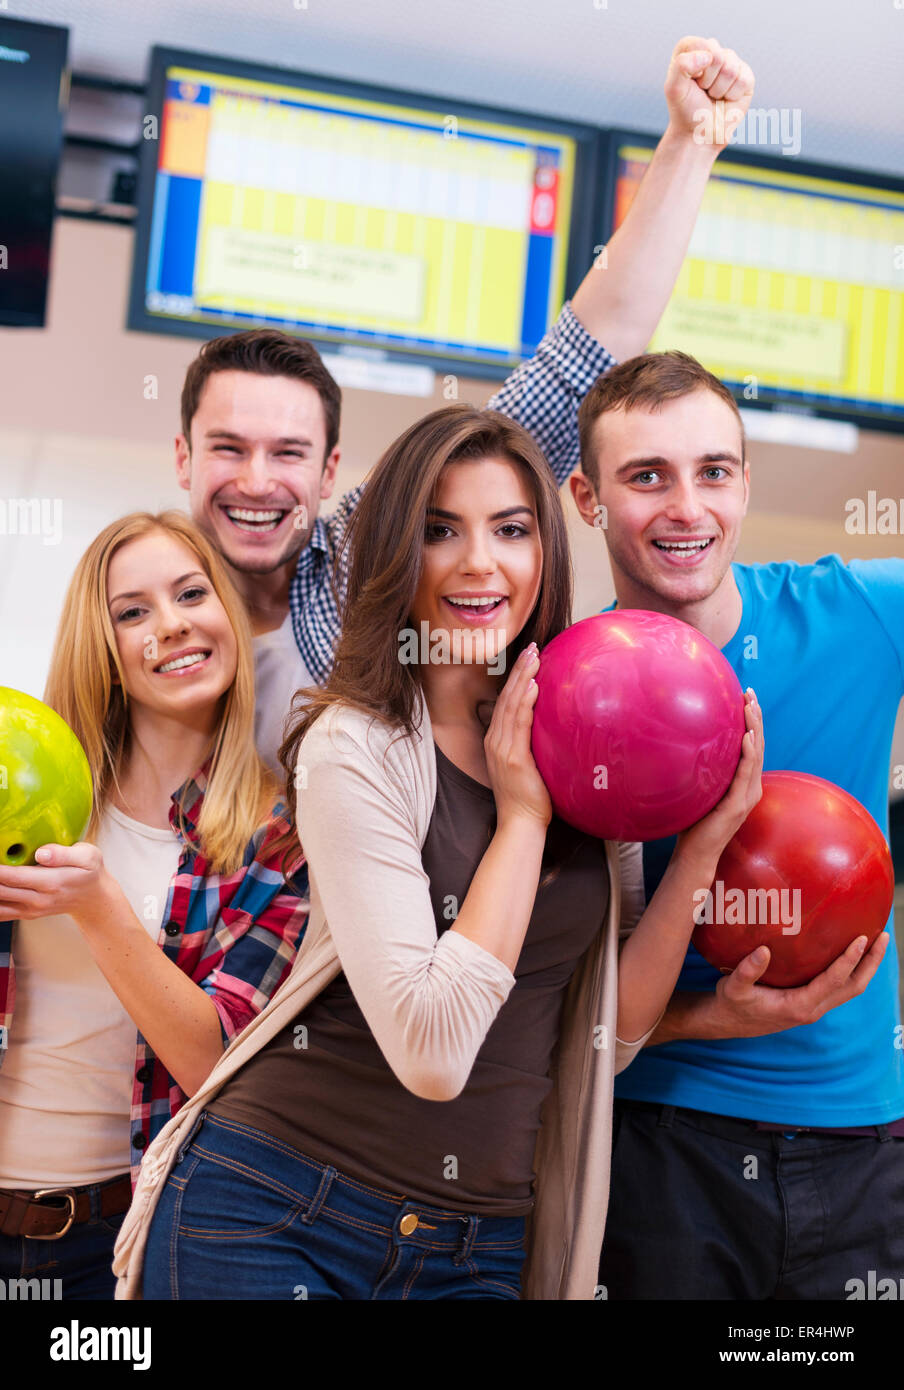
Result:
621,299
744,1009
708,90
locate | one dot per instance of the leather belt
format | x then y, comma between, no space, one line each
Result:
49,1213
853,1131
893,1129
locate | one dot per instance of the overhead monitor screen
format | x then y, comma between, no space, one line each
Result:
354,219
34,89
793,287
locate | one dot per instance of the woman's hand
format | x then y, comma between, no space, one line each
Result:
68,879
517,785
709,836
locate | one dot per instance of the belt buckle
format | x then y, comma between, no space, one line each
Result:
55,1192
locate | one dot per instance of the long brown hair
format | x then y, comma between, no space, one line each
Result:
385,542
80,687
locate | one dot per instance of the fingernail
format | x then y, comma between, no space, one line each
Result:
759,955
861,944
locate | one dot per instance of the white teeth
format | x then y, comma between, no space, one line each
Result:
247,520
191,660
686,546
475,602
245,514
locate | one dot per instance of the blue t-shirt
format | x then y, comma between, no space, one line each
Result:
823,647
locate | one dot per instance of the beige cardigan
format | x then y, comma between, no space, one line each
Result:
393,778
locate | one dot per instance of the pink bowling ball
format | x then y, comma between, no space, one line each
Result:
638,725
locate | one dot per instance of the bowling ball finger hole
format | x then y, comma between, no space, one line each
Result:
14,853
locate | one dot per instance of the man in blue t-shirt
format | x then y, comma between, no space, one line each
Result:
759,1139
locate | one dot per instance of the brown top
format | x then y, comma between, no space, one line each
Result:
332,1095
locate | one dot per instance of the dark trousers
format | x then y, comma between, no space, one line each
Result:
706,1207
77,1266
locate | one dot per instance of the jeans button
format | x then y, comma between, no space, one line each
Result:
408,1223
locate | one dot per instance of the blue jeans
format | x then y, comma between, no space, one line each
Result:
244,1216
81,1260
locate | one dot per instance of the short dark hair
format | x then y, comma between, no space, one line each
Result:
645,381
267,352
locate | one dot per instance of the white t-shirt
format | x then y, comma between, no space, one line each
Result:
66,1079
279,671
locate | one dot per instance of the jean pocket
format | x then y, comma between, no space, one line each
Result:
497,1272
111,1224
223,1200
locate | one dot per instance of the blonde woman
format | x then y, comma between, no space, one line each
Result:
131,959
429,1098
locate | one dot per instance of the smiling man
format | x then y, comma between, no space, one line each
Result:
259,445
759,1136
679,551
257,453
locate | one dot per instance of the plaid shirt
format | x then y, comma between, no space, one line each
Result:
543,395
235,935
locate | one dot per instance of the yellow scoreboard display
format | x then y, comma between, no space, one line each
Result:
356,220
792,291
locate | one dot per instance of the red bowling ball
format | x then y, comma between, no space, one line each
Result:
638,725
807,873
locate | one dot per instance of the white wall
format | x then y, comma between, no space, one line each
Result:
601,61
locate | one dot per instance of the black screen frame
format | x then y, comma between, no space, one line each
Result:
39,217
615,137
586,221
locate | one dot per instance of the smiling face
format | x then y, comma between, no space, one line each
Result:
483,558
255,472
675,491
175,642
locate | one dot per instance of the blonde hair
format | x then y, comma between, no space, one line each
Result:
80,687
